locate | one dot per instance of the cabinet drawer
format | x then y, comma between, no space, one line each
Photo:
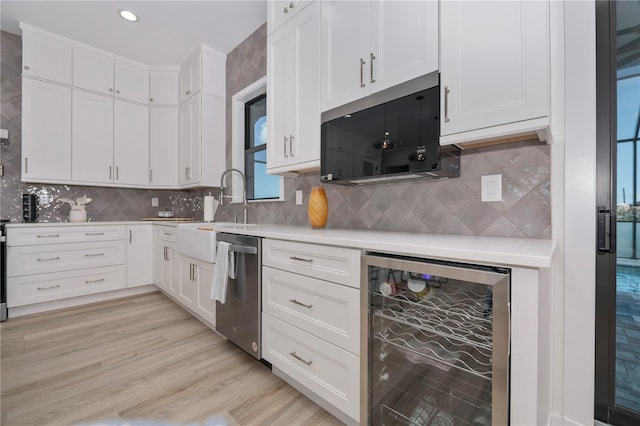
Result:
63,234
336,264
39,288
26,260
329,311
328,371
168,233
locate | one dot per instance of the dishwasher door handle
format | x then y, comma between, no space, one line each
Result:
243,249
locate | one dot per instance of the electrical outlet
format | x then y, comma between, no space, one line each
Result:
298,198
154,202
491,188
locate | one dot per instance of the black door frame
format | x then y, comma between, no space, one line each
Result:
606,144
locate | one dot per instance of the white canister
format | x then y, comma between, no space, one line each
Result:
78,214
210,207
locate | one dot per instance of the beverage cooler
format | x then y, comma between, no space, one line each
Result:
436,338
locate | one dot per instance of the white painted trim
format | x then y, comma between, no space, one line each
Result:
237,135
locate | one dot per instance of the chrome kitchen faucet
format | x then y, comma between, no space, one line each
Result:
245,205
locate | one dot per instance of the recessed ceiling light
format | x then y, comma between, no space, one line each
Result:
128,15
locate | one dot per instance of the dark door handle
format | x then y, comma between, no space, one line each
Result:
606,230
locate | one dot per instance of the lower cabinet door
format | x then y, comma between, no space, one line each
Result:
205,306
187,288
325,369
29,289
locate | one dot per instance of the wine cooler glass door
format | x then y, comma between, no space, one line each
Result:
437,342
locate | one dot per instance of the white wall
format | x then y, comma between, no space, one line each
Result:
574,355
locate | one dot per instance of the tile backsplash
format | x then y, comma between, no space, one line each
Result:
449,206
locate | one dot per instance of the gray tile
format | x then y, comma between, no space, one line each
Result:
530,168
383,197
455,227
531,215
455,195
511,194
477,216
399,215
503,228
504,154
369,214
415,225
475,166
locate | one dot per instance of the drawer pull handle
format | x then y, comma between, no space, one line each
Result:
167,234
300,258
94,254
48,258
295,355
48,236
93,281
49,287
300,303
93,233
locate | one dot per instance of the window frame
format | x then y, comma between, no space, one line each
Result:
238,102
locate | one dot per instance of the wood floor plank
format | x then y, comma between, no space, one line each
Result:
132,358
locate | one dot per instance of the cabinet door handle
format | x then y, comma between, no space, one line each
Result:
94,254
286,10
150,99
195,272
26,67
300,303
296,356
300,258
150,175
361,72
167,234
188,92
285,147
93,233
26,164
48,258
187,173
48,236
291,145
117,92
446,104
166,257
110,90
49,287
372,56
291,5
117,173
130,236
94,281
109,172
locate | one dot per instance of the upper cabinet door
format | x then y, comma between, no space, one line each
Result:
131,83
163,88
280,84
163,146
130,143
344,52
403,42
190,76
92,71
494,64
92,138
279,12
46,131
46,58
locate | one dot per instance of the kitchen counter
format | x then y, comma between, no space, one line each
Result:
124,222
534,253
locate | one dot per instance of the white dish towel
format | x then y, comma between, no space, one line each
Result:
224,269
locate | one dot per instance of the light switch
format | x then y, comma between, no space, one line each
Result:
491,188
154,201
298,198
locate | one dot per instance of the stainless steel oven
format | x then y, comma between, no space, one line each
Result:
435,343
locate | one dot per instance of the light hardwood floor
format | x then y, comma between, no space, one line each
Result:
142,357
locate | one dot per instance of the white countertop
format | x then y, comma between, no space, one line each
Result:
534,253
522,252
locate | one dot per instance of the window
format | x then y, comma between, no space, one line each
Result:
249,123
260,185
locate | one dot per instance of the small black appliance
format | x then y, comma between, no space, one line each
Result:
29,208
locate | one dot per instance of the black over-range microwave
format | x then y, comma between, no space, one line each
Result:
387,137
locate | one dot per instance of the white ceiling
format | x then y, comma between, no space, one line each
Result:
165,34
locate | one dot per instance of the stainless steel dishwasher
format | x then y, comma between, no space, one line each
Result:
239,319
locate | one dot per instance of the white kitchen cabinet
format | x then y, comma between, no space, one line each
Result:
130,143
279,12
363,52
190,76
110,140
293,101
92,138
168,266
99,73
139,255
93,71
163,146
190,140
164,88
205,306
202,140
44,57
46,131
494,69
188,287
